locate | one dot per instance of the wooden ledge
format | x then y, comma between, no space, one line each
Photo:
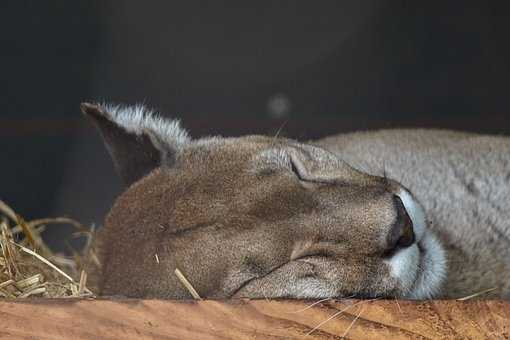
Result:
249,319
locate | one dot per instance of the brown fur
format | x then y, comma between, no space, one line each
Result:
262,217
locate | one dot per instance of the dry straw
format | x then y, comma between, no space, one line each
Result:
28,267
187,284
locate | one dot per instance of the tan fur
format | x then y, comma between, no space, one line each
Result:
263,217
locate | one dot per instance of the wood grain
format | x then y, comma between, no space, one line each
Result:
252,319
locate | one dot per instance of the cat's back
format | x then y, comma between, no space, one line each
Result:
415,151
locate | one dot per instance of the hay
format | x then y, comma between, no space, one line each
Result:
187,284
472,296
28,267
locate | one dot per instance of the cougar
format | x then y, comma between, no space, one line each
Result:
414,214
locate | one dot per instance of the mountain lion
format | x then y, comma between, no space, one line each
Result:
396,213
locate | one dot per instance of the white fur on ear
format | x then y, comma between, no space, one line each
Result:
138,119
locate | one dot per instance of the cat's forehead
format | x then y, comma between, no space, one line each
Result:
283,153
276,150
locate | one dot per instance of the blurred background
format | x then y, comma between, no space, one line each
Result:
232,68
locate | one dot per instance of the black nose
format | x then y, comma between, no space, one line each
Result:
402,234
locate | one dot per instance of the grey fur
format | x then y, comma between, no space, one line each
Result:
462,180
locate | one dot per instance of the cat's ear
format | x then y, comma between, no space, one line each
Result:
137,139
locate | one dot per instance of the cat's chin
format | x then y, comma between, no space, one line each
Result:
430,270
421,268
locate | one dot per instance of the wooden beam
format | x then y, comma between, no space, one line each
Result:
245,319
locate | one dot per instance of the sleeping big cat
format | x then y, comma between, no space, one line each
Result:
398,213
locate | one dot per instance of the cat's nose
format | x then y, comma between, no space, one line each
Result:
402,233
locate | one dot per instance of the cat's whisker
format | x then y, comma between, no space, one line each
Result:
339,313
309,306
277,134
320,301
398,305
353,322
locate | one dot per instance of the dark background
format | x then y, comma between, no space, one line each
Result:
232,68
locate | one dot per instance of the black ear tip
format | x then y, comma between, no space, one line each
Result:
93,110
